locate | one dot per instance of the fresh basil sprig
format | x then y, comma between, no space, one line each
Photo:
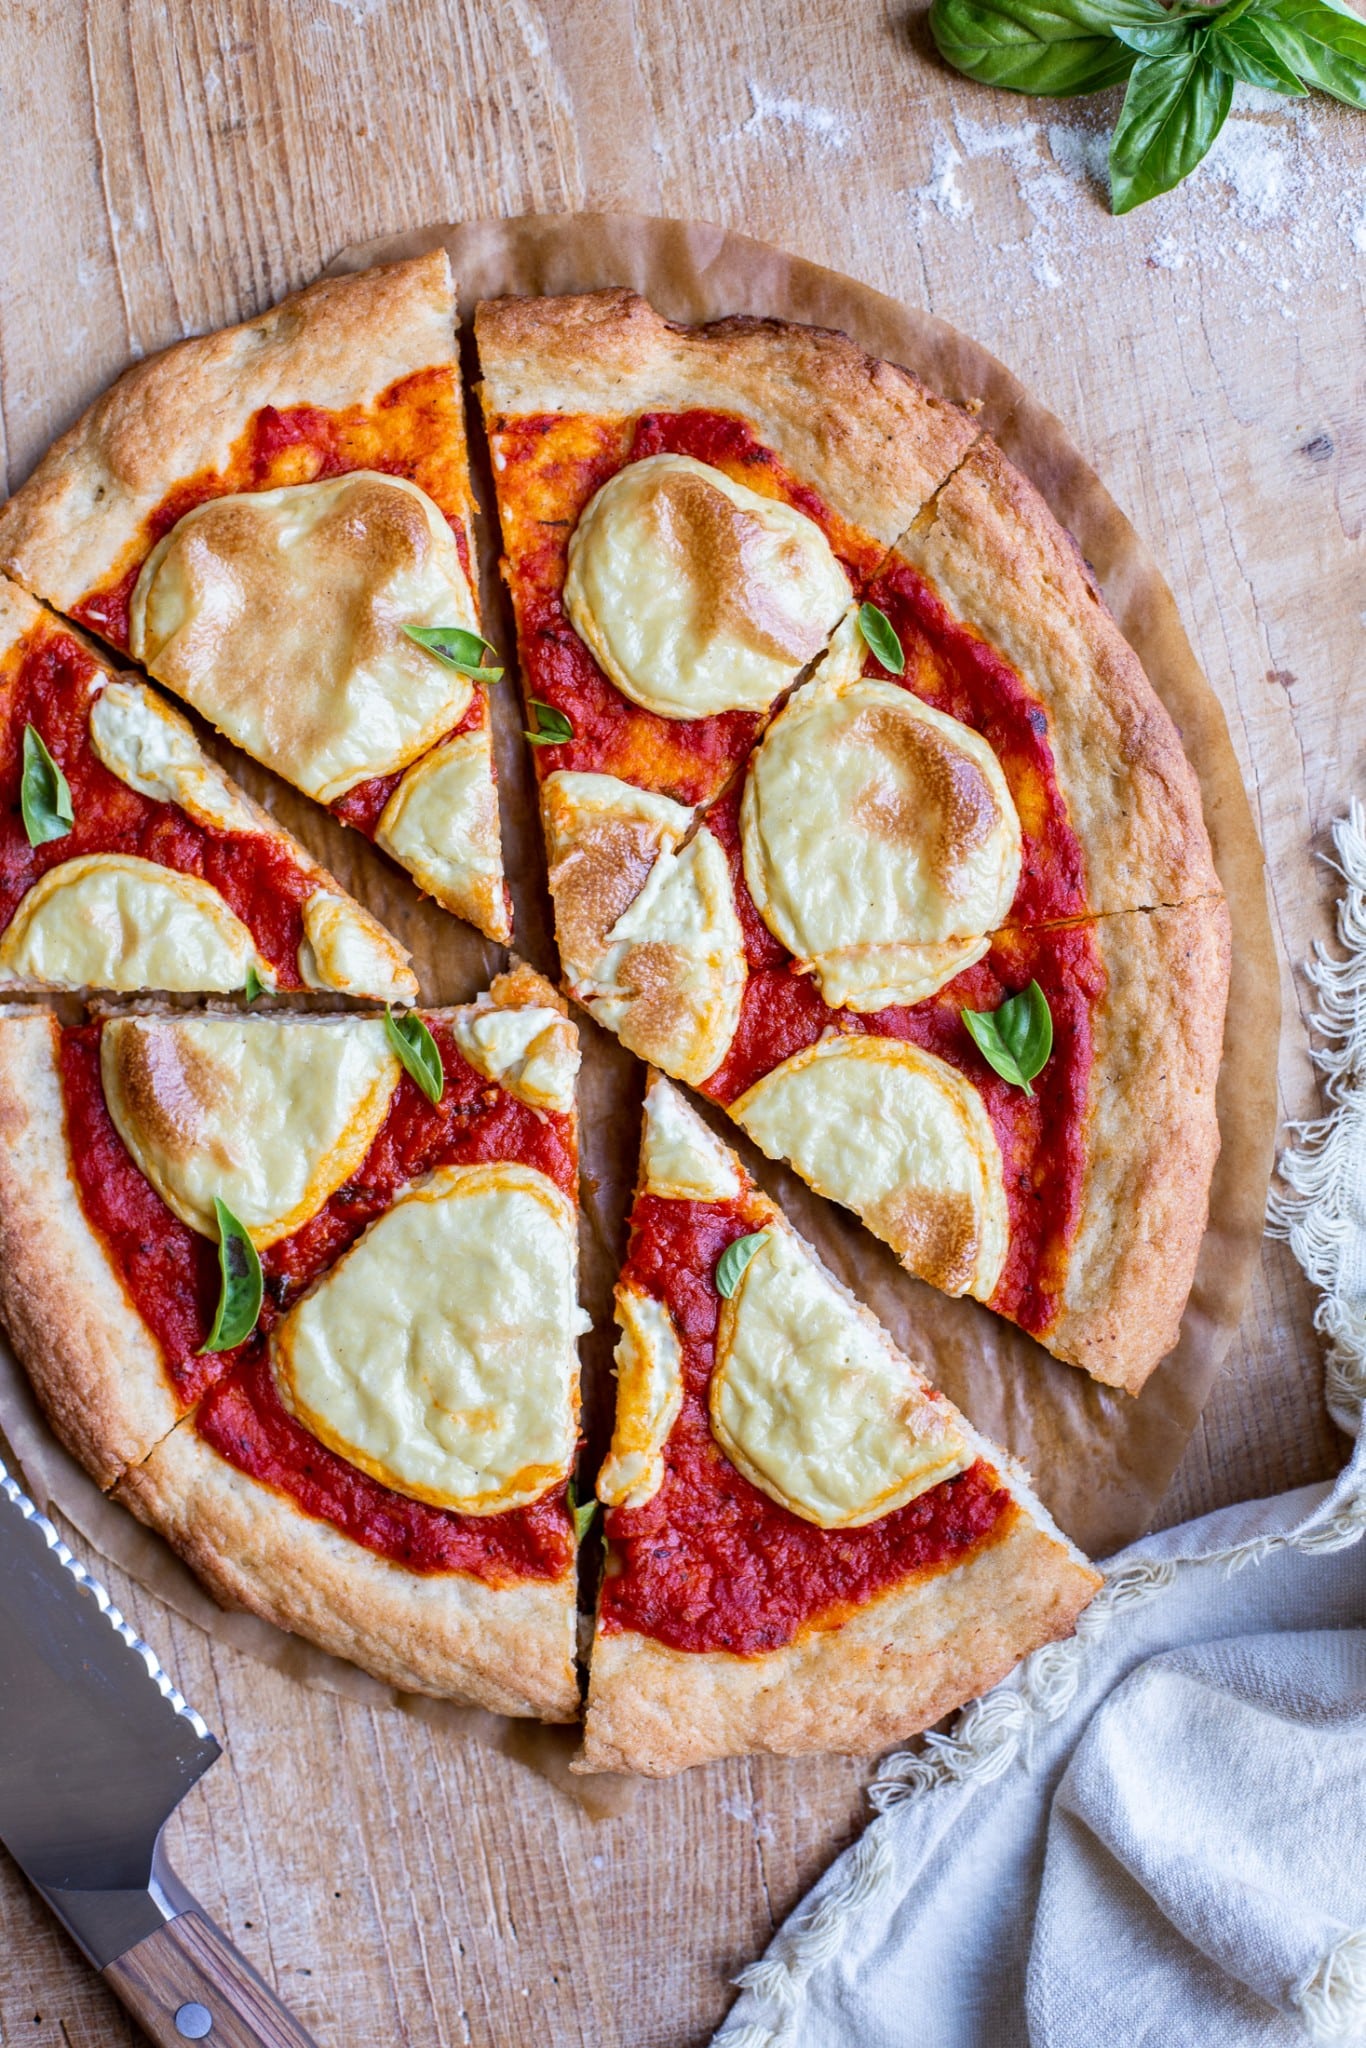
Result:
881,635
1016,1037
458,649
44,793
730,1267
552,727
1181,62
417,1049
240,1287
582,1511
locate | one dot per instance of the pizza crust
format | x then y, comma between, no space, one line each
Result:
896,1667
1152,1139
867,434
1004,566
508,1649
94,1363
337,343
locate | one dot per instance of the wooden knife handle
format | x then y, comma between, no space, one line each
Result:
189,1970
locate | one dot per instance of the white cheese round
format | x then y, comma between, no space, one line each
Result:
900,1137
115,921
438,1354
345,948
696,594
680,1158
810,1400
881,844
441,823
649,1361
153,749
533,1052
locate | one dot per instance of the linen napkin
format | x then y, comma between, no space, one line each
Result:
1156,1832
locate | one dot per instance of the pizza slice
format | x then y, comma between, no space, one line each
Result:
130,861
302,1291
808,1548
276,522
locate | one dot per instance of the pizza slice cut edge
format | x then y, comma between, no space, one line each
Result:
787,1571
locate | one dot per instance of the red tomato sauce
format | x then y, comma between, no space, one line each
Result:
171,1275
549,467
711,1563
50,683
1042,1138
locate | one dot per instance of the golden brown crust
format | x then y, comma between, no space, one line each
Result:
508,1649
1152,1139
867,434
1004,565
95,1365
889,1672
337,343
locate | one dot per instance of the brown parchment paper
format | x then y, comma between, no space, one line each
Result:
1102,1460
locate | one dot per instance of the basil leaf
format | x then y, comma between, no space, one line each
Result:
730,1267
1246,51
1173,109
416,1047
1160,39
458,649
254,984
1053,47
44,793
582,1511
552,727
1017,1037
239,1296
881,635
1324,44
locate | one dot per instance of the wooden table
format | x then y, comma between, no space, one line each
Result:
169,165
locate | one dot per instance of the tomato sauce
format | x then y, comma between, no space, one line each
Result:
50,682
711,1563
171,1275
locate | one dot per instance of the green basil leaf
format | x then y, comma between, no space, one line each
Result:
416,1047
254,985
1015,1038
1246,51
458,649
881,635
1324,44
44,793
1173,109
730,1267
552,727
1160,39
239,1295
582,1511
1053,47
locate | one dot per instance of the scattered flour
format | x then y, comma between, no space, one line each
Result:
775,109
943,190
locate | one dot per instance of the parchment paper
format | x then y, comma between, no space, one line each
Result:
1101,1459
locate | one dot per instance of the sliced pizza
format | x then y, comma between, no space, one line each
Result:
687,514
302,1291
130,861
808,1548
276,522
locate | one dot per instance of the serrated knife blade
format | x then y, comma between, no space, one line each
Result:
97,1749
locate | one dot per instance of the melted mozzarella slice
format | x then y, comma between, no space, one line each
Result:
345,948
695,594
533,1053
603,836
881,844
901,1138
270,1114
811,1401
680,1158
441,823
153,749
649,1360
439,1354
113,920
279,615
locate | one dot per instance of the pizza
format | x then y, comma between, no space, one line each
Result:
375,1453
808,1547
263,519
129,860
957,795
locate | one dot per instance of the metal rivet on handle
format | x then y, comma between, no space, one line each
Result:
194,2021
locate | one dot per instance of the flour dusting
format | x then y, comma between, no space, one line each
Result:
943,190
770,110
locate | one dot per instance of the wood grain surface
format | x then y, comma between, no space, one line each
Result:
167,165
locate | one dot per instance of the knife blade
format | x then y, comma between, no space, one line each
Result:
97,1749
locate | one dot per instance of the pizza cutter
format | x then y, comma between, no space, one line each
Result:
97,1749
